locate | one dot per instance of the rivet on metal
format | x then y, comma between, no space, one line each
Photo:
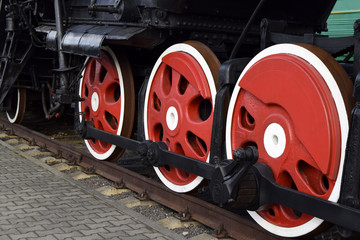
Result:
79,160
185,216
11,131
72,161
143,196
59,154
90,170
120,184
220,232
43,148
32,142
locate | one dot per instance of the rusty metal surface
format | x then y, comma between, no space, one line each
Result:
215,217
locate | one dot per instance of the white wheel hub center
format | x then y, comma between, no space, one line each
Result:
274,140
172,118
95,102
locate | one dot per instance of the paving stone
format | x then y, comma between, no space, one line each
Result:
24,236
69,235
124,222
140,231
35,228
45,238
137,237
203,236
10,232
108,219
114,235
4,237
152,235
38,202
93,237
91,232
137,226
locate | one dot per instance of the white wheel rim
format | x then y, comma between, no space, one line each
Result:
344,125
181,47
107,154
13,119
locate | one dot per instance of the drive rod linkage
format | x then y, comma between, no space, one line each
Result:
225,178
270,192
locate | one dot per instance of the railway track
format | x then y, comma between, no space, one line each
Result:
224,223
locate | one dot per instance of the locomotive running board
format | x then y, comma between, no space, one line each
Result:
221,176
86,40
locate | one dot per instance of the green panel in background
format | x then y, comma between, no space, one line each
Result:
342,18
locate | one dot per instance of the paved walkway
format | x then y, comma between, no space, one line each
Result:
38,202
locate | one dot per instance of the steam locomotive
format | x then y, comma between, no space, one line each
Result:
249,98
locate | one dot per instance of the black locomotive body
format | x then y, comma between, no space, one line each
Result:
246,95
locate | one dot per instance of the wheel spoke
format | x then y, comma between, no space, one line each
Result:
190,94
154,116
254,107
110,125
300,182
175,81
87,90
249,114
90,72
86,102
113,109
182,175
163,82
108,82
96,77
188,149
200,129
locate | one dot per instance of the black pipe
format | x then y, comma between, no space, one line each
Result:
246,29
60,33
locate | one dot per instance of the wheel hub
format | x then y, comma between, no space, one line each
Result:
274,140
172,118
95,101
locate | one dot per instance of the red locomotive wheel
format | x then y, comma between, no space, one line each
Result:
179,106
17,106
108,91
292,102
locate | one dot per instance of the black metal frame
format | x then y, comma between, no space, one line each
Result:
225,175
225,178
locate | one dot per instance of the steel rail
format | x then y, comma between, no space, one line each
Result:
236,226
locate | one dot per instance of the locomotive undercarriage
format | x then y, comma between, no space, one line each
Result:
77,57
